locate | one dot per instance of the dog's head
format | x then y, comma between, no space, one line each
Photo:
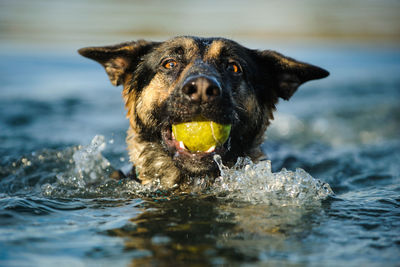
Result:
175,81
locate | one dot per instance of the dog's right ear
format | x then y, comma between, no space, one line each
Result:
118,59
289,74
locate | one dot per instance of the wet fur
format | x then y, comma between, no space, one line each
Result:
153,98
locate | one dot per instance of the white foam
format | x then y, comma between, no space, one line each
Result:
256,183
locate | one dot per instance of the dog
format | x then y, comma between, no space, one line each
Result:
170,82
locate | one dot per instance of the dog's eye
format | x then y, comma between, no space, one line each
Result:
169,63
234,67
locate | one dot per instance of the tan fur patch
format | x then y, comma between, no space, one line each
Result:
184,72
284,62
187,43
251,104
129,96
152,95
214,50
116,69
190,47
141,152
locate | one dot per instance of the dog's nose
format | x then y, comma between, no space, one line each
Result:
201,89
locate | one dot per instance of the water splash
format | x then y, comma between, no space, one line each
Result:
88,170
83,172
88,176
256,183
89,162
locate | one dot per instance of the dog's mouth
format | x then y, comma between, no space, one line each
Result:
192,147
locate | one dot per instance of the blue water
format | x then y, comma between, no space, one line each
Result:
62,130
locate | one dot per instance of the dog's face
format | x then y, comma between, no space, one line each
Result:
178,80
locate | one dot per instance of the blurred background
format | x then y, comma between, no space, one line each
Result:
57,24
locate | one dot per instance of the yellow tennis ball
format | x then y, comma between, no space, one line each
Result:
200,136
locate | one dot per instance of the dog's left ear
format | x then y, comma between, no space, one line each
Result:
289,73
118,59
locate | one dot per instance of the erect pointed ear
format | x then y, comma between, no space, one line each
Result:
289,73
118,59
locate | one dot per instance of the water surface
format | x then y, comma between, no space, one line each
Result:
62,131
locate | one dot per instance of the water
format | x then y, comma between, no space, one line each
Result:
330,194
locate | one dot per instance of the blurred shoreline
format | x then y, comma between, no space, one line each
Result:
58,25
